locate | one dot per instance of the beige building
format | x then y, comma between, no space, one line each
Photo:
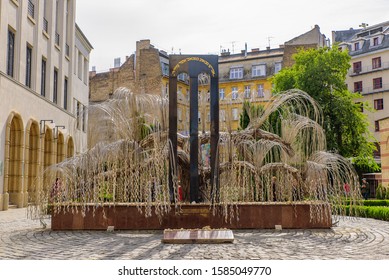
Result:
369,72
384,144
43,91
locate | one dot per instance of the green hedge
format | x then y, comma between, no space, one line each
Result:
375,212
370,202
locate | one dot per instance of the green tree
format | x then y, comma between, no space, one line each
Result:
322,74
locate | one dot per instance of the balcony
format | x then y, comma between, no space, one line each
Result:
368,69
372,90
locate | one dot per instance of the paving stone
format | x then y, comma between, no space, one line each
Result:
22,238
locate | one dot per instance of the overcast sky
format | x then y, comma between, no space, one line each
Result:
206,26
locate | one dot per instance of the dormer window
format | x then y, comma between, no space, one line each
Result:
356,46
375,41
236,73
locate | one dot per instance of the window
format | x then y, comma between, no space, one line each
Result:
43,77
78,114
199,115
55,86
377,83
31,8
80,60
56,23
236,73
260,92
222,115
28,66
277,67
375,41
10,53
379,104
258,70
83,118
358,86
221,93
356,46
377,125
86,70
165,69
376,62
179,114
65,94
234,94
247,91
357,67
167,90
235,115
183,77
45,22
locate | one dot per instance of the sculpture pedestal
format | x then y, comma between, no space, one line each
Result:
248,216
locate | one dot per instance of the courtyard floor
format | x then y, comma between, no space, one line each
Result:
22,238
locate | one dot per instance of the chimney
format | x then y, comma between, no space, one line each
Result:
255,50
116,62
93,72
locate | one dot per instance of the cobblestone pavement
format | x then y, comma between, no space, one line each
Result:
22,238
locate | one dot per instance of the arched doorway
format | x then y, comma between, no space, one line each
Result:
60,148
48,159
32,159
13,179
70,149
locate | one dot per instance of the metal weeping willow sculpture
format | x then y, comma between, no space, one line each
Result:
275,160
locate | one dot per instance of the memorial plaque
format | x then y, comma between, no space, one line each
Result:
190,236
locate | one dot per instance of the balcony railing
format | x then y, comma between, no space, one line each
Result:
370,90
56,38
31,9
45,25
367,69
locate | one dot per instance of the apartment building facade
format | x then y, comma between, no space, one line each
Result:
369,71
245,76
43,93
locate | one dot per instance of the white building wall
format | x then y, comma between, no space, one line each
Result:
15,96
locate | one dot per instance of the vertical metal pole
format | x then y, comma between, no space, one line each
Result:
172,133
194,140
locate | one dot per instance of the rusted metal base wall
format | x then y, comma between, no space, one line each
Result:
250,216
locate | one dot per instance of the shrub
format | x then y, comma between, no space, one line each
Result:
375,212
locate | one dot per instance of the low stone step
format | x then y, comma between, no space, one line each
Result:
12,206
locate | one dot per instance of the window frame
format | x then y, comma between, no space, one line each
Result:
357,67
358,88
377,83
55,86
236,73
11,53
256,70
379,104
28,65
43,76
376,62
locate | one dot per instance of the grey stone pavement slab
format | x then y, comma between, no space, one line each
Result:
22,238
